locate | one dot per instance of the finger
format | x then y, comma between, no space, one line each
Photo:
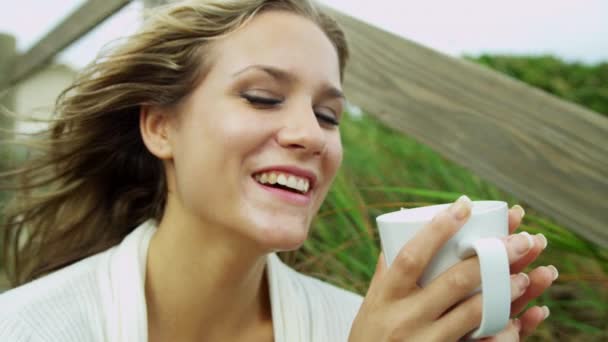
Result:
461,320
379,272
468,313
540,279
531,319
381,266
516,214
510,333
458,283
412,259
451,287
540,243
518,246
519,285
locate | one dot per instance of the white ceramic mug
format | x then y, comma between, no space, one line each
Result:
480,235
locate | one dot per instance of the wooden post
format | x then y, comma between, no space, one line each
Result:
82,20
153,3
8,54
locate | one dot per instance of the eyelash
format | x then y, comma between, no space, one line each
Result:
264,101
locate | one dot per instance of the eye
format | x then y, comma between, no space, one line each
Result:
268,101
258,100
329,119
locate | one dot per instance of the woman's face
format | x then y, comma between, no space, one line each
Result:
265,112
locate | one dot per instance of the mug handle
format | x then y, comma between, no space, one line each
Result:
495,283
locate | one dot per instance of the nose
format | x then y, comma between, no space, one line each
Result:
302,132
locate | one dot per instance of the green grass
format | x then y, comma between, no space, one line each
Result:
384,170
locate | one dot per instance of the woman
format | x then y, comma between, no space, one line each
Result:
180,162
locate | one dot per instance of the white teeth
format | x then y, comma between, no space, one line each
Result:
281,179
291,181
300,185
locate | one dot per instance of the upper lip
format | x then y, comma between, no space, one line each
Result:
294,170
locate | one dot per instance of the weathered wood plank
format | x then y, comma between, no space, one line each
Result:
550,153
4,283
153,3
85,18
8,56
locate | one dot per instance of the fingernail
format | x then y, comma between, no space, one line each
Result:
517,324
522,281
554,270
521,242
543,239
546,312
520,209
461,208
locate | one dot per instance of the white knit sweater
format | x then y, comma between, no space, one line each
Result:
101,298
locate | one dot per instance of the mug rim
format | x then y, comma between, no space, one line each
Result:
426,213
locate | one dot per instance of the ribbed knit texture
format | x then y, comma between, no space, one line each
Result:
101,298
63,306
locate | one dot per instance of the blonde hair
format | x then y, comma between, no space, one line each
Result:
92,180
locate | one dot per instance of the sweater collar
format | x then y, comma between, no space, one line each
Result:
127,290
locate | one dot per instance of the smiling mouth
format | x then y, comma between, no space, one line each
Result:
283,181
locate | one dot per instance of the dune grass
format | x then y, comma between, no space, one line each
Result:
384,170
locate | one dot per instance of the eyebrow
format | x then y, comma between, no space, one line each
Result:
285,76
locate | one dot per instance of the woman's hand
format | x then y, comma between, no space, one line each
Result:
540,279
396,309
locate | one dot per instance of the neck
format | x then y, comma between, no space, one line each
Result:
202,284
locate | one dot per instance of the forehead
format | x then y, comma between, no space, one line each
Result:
283,40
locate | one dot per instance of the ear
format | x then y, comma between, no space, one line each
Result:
154,127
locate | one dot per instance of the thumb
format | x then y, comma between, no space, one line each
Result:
380,269
381,264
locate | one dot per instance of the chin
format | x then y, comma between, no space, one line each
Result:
282,235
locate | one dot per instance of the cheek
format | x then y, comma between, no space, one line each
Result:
332,161
334,153
215,144
238,129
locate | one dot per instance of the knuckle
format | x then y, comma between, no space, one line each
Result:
408,261
443,222
387,326
458,281
397,334
440,217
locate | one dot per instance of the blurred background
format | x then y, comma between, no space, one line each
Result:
558,46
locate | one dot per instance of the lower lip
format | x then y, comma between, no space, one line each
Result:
287,196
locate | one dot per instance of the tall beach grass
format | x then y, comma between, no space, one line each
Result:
383,171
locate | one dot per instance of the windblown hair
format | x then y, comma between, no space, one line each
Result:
90,180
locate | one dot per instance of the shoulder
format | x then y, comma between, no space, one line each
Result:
335,303
340,302
14,330
58,306
331,310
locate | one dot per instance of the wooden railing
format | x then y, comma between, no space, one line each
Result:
550,153
80,22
